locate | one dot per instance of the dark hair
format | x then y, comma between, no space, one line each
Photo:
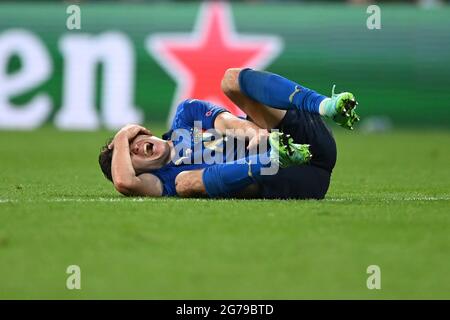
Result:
105,159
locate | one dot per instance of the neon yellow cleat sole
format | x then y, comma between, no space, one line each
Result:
341,108
287,153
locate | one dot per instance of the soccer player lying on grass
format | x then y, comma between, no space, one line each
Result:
141,164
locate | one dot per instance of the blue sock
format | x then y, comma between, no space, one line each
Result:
226,179
278,92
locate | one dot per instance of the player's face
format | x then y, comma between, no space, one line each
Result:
148,152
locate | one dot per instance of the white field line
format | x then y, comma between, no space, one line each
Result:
347,199
124,199
79,200
386,199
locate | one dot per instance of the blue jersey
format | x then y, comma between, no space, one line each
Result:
191,133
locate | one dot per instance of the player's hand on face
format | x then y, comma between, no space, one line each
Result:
129,132
260,135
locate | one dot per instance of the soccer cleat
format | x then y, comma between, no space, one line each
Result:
341,108
287,153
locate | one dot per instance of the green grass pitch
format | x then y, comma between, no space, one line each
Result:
388,205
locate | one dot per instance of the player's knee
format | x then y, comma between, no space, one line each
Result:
182,184
230,83
190,184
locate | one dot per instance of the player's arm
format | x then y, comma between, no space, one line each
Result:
241,128
123,174
213,116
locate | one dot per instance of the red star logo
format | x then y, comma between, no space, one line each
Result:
197,61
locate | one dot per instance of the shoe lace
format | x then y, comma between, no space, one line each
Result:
332,91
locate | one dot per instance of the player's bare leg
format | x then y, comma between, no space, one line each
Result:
239,179
262,115
189,184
